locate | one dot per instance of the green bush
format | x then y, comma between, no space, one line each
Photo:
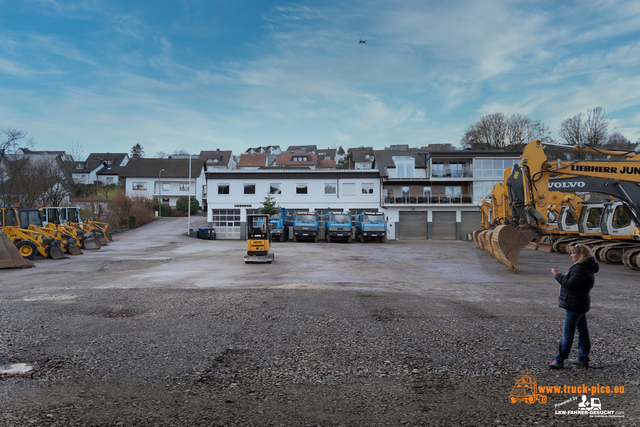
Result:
166,209
131,221
182,206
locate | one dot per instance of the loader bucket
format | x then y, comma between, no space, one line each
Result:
10,257
54,249
98,235
509,241
89,242
73,249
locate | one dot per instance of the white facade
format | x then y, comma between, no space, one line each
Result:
232,194
172,188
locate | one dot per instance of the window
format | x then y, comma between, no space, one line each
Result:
223,188
204,191
329,188
301,189
426,194
404,166
367,188
166,187
80,166
165,200
139,186
184,187
249,189
406,192
301,159
275,189
453,194
349,189
109,162
110,179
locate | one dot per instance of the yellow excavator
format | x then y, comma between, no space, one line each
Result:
28,242
528,188
258,239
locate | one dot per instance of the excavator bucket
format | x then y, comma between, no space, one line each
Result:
87,241
477,240
54,249
486,241
10,257
509,241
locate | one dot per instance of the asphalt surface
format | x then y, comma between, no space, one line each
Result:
158,328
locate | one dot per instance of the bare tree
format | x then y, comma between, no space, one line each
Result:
161,155
586,130
500,132
617,140
76,151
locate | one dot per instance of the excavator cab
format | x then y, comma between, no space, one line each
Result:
258,239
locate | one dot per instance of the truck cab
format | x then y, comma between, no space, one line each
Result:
370,226
338,226
305,226
279,225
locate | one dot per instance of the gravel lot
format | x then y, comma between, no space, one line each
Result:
160,329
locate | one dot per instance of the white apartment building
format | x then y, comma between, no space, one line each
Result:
232,194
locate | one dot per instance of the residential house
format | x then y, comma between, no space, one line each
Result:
361,157
435,194
99,167
298,159
218,160
302,149
232,194
269,149
253,161
165,179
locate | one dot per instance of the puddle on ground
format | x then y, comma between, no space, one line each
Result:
16,368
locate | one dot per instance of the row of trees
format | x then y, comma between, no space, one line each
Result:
497,131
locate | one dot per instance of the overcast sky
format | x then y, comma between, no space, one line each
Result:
206,74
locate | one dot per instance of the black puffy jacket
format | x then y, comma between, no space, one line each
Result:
576,285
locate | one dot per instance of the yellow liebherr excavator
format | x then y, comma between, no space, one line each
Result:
529,194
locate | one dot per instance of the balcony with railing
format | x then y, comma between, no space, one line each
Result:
459,172
431,200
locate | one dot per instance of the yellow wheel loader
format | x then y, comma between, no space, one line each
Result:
528,189
28,242
31,219
55,218
258,239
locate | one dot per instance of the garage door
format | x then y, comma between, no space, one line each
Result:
226,222
444,225
470,221
413,225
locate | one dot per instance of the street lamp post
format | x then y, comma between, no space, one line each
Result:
160,192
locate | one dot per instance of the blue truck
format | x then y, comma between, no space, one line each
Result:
337,226
305,226
279,224
370,226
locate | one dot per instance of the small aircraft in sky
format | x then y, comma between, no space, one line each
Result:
363,42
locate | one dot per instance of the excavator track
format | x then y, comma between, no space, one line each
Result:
631,258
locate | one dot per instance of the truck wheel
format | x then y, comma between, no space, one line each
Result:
282,237
362,238
27,249
328,239
349,239
295,238
383,239
315,239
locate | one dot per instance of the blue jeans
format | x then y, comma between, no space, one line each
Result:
573,320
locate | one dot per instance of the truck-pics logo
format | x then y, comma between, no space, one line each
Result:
526,390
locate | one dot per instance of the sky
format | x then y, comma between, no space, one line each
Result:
198,75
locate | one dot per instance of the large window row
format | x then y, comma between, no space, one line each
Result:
330,188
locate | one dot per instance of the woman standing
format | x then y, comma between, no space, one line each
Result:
574,298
